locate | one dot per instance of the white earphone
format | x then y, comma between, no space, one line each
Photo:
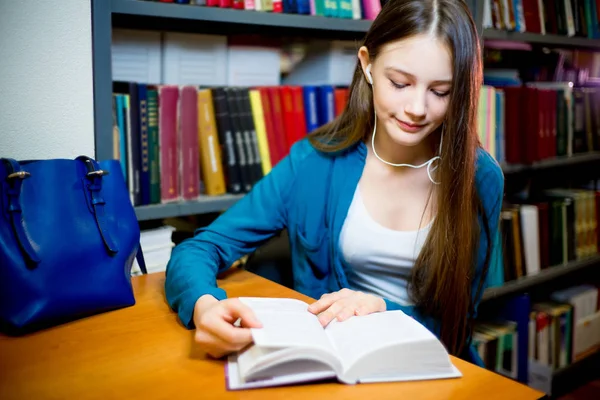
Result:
428,163
369,74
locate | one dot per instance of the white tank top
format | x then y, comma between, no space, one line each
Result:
381,259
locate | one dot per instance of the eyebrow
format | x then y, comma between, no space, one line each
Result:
437,82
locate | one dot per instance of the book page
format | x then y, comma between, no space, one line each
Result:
359,336
285,374
290,335
286,323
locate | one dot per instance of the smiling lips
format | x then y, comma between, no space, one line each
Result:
408,127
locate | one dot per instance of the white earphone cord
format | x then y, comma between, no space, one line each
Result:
428,163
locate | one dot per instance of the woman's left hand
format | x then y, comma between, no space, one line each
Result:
344,304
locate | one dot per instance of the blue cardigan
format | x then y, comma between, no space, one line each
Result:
309,193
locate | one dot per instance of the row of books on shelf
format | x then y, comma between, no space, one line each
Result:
180,142
556,227
535,121
351,9
560,17
560,331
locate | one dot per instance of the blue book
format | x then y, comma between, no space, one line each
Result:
303,6
499,125
517,309
309,94
325,104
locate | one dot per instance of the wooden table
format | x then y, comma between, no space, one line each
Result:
143,352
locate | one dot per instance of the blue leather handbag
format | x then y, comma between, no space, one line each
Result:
68,236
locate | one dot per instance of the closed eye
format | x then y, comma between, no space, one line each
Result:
398,85
441,94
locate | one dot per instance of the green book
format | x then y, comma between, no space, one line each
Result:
153,146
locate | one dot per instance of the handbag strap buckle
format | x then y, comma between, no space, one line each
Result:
99,172
18,175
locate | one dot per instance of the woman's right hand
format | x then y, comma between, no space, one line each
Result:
215,330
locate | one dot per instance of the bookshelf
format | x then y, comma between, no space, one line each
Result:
525,283
146,15
155,15
206,204
547,39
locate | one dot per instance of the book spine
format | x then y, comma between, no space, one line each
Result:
261,133
210,154
121,111
169,160
144,145
153,146
134,113
245,159
245,108
289,120
229,153
269,126
310,108
278,124
298,110
189,171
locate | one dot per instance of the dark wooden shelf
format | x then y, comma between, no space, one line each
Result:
552,163
138,14
536,38
525,283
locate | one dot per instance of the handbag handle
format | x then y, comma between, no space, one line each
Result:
14,180
94,186
94,176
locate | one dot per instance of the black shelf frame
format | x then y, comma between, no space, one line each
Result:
156,15
525,283
545,40
570,377
204,204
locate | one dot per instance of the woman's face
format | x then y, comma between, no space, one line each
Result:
411,85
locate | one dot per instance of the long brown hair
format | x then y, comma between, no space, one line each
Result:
443,272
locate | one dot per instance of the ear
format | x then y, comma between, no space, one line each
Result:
363,56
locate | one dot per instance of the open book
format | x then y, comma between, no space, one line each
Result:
293,347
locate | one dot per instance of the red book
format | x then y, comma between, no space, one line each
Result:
274,95
513,125
341,99
277,6
531,11
188,143
289,116
269,127
532,128
298,100
169,161
552,114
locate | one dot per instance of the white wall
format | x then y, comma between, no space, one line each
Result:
46,92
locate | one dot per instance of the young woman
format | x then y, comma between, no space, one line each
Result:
391,206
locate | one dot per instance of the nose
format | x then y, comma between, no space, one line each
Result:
416,108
